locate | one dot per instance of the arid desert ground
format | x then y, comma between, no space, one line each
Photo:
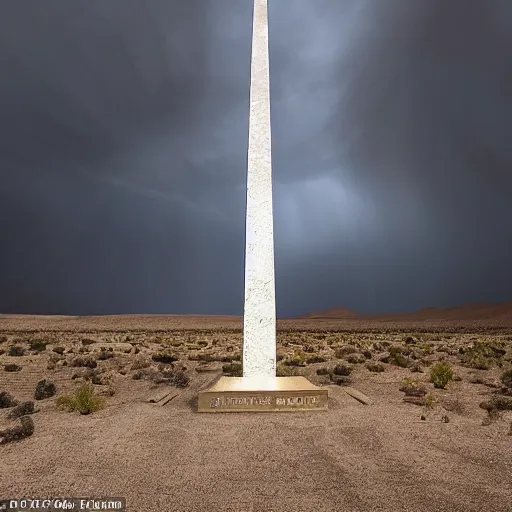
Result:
412,447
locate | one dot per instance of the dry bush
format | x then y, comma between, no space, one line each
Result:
232,369
84,400
11,367
16,351
440,375
375,367
315,359
165,357
413,387
506,379
85,362
342,370
58,350
140,362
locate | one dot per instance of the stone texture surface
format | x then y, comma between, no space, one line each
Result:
259,350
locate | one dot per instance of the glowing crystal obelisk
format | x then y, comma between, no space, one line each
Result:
259,344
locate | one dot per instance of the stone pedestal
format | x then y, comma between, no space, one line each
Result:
262,394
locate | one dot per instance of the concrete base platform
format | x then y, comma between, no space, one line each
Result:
267,394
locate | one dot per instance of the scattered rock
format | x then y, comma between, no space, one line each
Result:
423,417
7,400
44,389
21,410
25,429
360,397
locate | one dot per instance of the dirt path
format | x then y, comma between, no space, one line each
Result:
360,458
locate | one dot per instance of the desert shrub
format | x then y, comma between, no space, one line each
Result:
105,354
298,359
208,358
397,358
367,354
140,362
59,350
25,429
315,359
323,371
430,401
44,389
375,367
441,374
7,400
175,343
413,387
340,380
482,356
341,352
501,403
38,345
180,379
16,350
84,400
85,362
506,379
285,371
232,369
308,349
3,339
87,341
164,357
22,410
11,367
202,343
342,369
355,358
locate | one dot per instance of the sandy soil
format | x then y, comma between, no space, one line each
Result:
354,457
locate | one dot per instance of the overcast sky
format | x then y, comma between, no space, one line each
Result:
123,148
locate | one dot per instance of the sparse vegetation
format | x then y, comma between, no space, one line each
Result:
16,351
85,362
375,367
506,379
165,357
413,387
38,345
342,369
440,375
430,401
105,354
232,369
11,367
58,350
315,359
84,400
286,371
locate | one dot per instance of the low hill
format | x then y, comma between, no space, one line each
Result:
498,312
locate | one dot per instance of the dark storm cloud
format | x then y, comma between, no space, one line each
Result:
123,139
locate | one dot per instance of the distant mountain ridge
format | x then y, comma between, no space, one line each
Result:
502,311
